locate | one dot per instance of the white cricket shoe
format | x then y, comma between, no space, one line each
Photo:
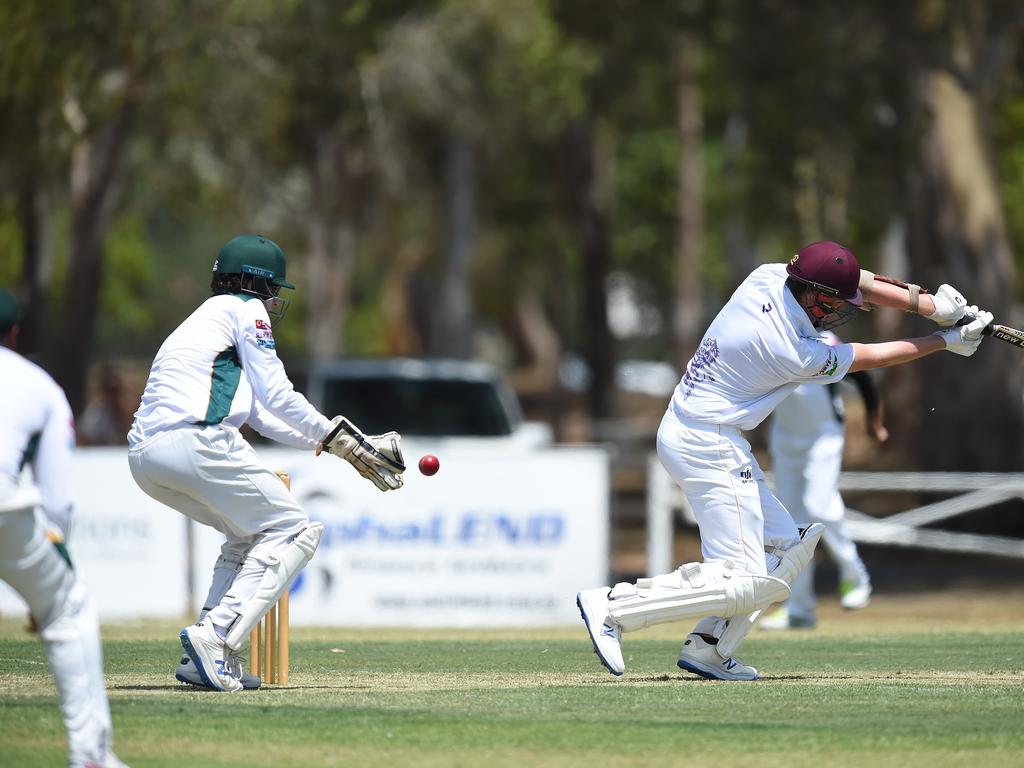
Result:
854,594
701,657
210,656
605,634
187,673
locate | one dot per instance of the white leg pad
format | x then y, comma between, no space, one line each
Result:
68,628
693,591
224,572
792,562
283,565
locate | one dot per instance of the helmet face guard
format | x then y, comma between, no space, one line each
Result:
830,275
828,309
259,282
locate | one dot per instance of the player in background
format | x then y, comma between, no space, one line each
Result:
37,433
761,346
217,371
805,440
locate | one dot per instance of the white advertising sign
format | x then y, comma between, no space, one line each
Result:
496,538
499,537
129,550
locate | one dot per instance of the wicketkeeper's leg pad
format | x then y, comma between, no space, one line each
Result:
227,567
790,562
692,591
282,566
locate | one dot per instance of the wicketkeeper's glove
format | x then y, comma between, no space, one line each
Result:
378,458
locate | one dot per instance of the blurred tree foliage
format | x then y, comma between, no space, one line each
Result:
471,177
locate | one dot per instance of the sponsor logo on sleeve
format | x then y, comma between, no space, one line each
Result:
266,343
830,364
262,325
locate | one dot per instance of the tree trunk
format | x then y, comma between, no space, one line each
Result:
590,152
690,205
37,266
331,250
959,414
94,168
452,334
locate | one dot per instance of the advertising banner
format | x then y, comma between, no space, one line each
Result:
496,538
130,551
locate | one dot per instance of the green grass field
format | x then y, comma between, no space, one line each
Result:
932,681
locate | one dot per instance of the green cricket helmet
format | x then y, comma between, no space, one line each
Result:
260,264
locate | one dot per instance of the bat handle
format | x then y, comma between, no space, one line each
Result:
986,331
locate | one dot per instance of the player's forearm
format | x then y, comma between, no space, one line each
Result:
886,353
883,294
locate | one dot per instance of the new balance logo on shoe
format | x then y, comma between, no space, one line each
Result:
221,667
608,631
730,664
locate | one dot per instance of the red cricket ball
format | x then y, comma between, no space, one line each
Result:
429,465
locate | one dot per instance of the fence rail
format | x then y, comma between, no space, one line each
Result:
968,491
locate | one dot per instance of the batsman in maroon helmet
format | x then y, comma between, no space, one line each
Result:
764,343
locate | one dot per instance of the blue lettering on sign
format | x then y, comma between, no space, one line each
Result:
470,530
531,530
366,528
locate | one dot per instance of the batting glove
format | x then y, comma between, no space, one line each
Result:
378,458
965,339
950,306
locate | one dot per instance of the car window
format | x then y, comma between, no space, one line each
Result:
418,407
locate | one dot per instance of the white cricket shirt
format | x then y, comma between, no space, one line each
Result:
220,366
811,409
36,431
758,349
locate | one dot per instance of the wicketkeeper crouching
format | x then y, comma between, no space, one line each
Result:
217,371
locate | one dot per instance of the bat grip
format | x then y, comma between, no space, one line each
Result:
986,331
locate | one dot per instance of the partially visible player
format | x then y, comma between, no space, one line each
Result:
761,346
217,371
37,433
806,440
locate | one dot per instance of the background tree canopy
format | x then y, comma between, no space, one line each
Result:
484,178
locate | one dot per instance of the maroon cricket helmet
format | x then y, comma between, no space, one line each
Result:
829,267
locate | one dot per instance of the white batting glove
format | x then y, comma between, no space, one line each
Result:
378,458
965,339
950,306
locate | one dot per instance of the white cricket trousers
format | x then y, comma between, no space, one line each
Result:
736,512
807,481
68,627
212,475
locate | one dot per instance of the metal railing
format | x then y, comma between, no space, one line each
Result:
967,491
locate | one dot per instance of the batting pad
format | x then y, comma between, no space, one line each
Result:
692,591
283,565
793,561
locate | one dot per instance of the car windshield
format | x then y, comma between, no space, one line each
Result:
432,407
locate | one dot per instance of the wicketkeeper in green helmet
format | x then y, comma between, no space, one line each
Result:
217,371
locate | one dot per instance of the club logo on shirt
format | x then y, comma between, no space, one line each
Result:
697,371
746,475
830,364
